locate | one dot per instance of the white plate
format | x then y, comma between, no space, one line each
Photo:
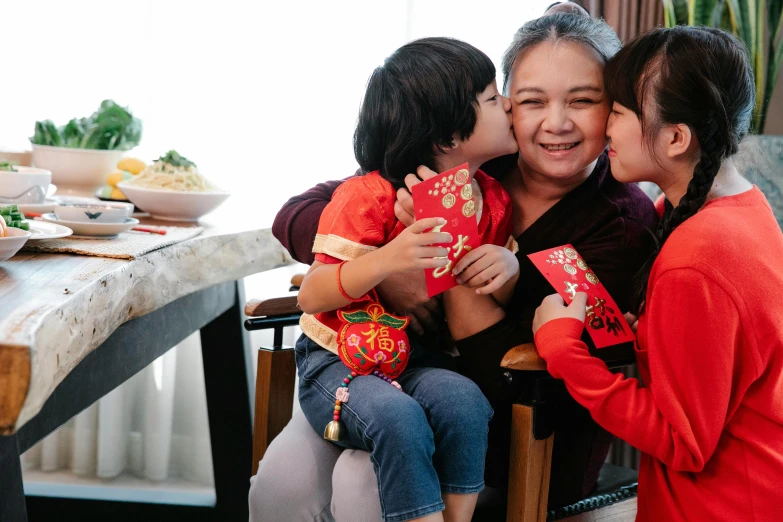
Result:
93,229
44,230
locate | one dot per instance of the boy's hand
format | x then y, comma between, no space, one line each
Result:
403,207
415,249
485,263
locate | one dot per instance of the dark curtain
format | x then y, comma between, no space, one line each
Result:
627,17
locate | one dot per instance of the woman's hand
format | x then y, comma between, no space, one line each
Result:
415,249
486,268
406,294
553,307
403,207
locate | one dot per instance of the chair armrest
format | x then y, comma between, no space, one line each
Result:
296,280
272,307
523,357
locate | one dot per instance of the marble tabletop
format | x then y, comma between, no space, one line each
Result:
57,308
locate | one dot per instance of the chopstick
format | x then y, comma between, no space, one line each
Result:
150,230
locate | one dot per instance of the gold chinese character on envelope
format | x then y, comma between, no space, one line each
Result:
568,273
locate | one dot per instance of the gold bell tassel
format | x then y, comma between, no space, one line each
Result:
335,431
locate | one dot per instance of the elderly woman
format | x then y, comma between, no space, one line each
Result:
562,192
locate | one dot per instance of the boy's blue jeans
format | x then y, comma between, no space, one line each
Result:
428,440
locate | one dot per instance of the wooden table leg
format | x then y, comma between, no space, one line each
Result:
12,501
530,465
228,405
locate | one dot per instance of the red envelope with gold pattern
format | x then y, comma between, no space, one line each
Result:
565,270
448,195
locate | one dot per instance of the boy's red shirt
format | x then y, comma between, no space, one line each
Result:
360,218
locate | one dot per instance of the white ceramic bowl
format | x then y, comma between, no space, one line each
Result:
26,185
94,212
83,168
13,242
172,205
21,157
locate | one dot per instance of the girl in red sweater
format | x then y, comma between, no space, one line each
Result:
707,412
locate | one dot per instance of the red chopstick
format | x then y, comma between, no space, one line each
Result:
150,230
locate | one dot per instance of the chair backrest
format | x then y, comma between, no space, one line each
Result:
760,160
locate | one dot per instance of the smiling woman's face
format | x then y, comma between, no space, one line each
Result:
559,109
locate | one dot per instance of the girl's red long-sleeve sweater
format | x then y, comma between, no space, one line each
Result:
709,416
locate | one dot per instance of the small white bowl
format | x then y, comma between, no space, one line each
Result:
171,205
13,242
94,212
83,168
21,157
26,185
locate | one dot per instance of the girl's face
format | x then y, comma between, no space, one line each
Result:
627,152
493,135
559,109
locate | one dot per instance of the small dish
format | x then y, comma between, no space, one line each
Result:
34,208
13,242
94,212
93,229
44,230
51,201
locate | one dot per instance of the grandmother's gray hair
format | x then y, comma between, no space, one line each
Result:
578,28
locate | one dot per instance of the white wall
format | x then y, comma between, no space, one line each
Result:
262,95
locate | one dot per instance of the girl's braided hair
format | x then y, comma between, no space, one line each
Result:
697,76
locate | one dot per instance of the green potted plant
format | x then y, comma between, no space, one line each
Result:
759,23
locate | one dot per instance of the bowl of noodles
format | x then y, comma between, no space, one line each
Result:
173,189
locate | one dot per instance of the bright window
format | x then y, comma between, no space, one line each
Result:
262,95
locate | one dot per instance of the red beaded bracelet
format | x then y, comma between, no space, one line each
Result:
342,290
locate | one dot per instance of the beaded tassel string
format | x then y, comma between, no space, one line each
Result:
335,430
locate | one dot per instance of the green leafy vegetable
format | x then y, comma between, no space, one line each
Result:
46,133
172,157
8,166
111,127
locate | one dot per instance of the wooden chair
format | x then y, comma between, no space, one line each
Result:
532,432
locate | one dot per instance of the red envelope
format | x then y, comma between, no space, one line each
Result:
565,270
448,195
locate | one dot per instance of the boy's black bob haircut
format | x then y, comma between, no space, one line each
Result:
421,98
